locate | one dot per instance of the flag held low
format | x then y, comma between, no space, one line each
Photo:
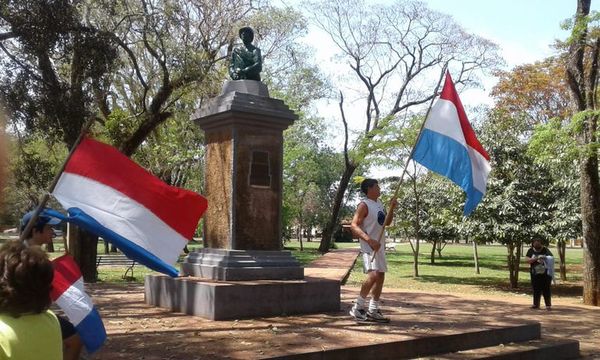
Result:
109,195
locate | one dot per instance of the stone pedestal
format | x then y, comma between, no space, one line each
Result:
242,271
243,130
220,300
233,265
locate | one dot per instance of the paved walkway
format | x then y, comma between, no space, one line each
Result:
335,265
139,331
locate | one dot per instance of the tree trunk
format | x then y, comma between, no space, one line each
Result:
432,257
416,256
561,247
582,76
476,257
590,214
417,231
519,254
439,248
335,211
151,122
514,263
83,247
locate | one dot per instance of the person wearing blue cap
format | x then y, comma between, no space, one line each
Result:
41,233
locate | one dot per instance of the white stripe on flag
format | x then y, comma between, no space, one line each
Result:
480,169
443,119
121,214
75,302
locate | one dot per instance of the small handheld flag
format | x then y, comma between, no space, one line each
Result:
69,294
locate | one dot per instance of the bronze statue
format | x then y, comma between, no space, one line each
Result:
246,60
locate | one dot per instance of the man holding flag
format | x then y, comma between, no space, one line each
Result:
447,145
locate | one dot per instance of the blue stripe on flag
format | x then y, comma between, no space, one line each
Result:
91,331
130,249
449,158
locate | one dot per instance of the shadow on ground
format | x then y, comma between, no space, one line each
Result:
139,331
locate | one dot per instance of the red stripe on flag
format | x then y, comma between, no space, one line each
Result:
177,207
66,272
449,93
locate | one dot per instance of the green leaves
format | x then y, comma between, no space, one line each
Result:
554,142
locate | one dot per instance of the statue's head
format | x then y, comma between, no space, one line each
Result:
246,33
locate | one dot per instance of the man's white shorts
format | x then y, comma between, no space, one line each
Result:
378,264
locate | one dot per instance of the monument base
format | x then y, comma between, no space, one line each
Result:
238,300
235,265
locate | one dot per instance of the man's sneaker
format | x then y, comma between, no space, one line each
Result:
375,315
358,314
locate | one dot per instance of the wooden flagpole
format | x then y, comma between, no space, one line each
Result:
44,199
412,151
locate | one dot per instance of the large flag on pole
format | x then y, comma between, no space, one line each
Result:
69,294
108,194
448,146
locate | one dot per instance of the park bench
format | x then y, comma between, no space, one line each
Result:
390,247
116,260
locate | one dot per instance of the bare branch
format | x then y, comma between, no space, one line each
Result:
133,60
21,65
7,35
346,157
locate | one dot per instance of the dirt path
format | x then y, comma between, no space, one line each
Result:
138,331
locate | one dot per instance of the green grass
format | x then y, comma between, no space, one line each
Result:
455,271
114,274
310,250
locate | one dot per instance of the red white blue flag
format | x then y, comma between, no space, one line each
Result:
108,194
68,293
448,146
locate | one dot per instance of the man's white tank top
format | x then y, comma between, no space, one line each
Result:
373,223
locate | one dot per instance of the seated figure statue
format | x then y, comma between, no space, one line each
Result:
246,60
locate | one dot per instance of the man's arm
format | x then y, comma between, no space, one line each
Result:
529,258
257,63
359,216
390,216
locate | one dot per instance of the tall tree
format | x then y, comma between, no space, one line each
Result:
51,59
516,206
167,48
132,64
395,55
553,145
539,94
536,92
309,173
582,75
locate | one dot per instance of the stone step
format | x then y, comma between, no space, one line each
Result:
428,345
540,349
